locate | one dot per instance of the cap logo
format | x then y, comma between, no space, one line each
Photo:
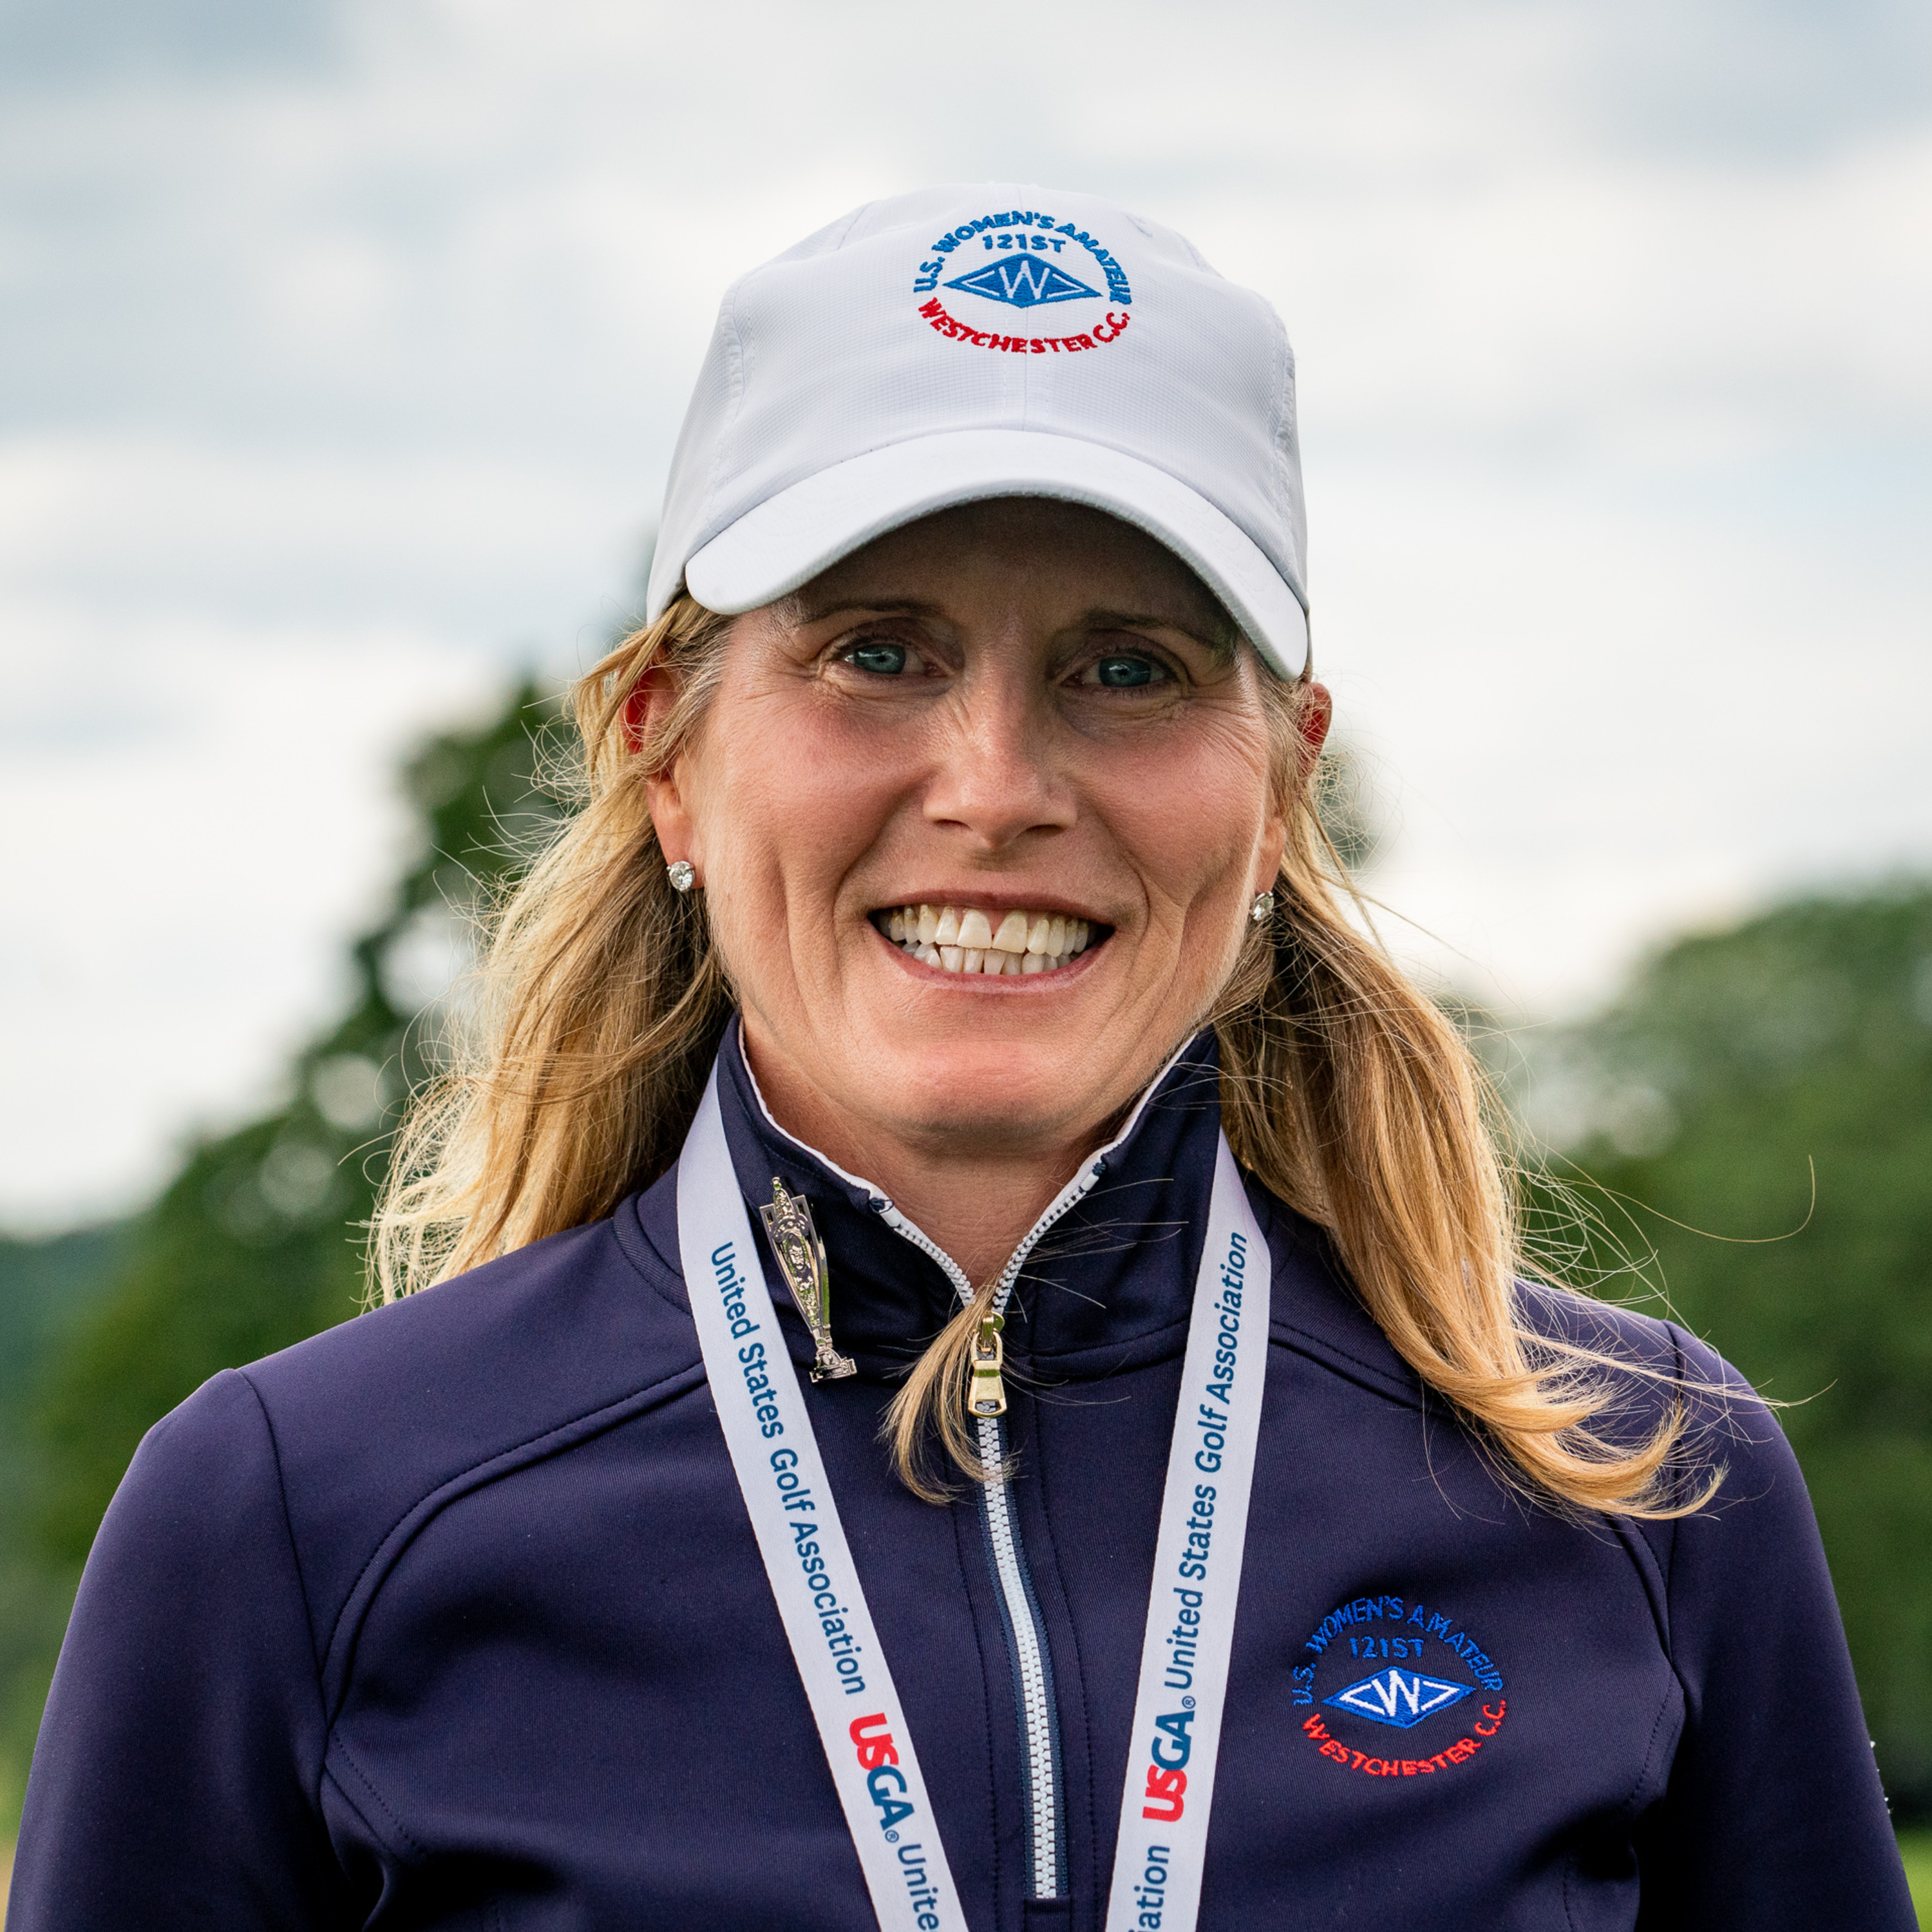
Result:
1020,258
1023,280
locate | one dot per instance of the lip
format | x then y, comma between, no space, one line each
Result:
1001,903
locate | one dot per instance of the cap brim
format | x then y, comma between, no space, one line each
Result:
784,542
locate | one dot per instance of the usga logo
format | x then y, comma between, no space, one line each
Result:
887,1785
1021,259
879,1758
1167,1775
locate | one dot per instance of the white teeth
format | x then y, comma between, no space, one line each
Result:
959,939
1012,936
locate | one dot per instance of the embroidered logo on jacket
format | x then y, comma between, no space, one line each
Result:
1433,1666
1022,258
1402,1698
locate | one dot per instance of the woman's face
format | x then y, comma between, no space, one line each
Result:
1027,717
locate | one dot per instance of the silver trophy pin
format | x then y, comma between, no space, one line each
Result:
801,1261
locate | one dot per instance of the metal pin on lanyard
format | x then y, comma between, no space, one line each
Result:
801,1257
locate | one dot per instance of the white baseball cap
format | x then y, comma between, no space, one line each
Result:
965,343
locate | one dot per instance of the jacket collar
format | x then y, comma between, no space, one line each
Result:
1115,1269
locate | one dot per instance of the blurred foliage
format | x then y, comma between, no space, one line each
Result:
256,1242
1916,1847
45,1287
1735,1069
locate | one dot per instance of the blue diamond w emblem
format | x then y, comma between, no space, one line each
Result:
1024,280
1399,1697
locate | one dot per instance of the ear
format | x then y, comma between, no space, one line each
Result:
643,718
651,697
1315,715
1318,713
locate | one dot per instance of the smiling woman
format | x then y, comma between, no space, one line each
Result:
1179,1420
971,724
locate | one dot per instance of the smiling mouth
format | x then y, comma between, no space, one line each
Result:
964,939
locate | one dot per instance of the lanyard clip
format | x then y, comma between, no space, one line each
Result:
986,1393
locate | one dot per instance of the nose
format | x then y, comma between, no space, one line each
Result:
996,777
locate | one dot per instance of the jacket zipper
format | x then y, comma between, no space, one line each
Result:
1032,1670
1032,1667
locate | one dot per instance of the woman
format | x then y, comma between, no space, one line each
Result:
1114,1476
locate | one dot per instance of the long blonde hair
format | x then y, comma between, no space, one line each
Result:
574,1073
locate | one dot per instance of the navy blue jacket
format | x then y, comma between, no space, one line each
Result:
452,1617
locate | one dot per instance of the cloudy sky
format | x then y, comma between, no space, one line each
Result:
343,345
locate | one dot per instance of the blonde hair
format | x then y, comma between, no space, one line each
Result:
598,1004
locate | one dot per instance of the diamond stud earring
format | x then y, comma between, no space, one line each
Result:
681,873
1263,908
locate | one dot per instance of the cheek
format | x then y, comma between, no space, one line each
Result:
1190,814
784,818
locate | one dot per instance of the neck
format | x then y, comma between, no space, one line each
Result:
978,1202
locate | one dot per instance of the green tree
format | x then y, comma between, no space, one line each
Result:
256,1242
45,1286
1734,1070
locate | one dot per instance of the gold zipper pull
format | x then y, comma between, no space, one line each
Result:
985,1392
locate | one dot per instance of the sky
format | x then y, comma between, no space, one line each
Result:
343,344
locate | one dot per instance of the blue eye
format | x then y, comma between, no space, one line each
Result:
1124,674
884,660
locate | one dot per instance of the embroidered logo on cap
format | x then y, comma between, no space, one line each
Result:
1034,259
1428,1660
1023,280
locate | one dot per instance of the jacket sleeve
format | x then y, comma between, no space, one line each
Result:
174,1783
1773,1819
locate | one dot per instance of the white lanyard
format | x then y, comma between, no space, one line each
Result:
1197,1571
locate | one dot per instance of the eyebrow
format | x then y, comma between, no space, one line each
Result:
1221,643
804,613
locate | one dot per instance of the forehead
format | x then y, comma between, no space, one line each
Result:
1062,556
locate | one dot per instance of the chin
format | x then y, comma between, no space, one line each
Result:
993,1082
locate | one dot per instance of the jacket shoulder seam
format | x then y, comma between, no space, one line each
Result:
1378,1380
448,1487
338,1749
295,1565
